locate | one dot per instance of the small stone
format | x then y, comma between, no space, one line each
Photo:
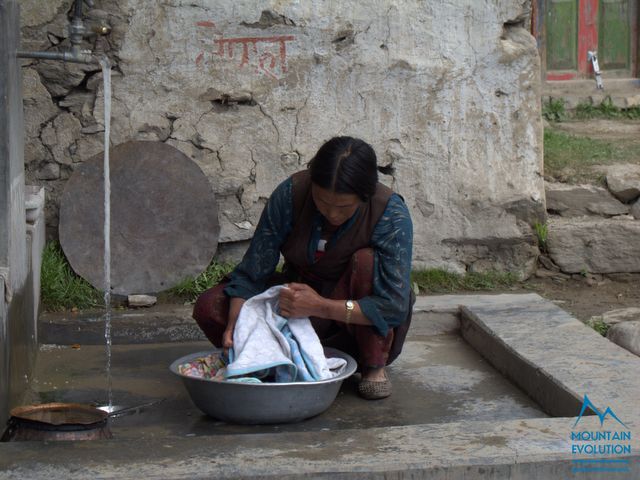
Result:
244,225
626,335
591,282
95,128
141,300
542,273
548,263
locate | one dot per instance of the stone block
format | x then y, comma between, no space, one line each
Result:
626,335
581,245
36,12
576,200
620,315
624,181
632,101
49,171
60,136
38,105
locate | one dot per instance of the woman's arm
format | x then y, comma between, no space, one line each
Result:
300,300
392,242
250,276
259,262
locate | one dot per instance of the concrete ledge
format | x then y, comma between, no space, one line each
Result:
574,356
552,396
523,449
452,303
153,325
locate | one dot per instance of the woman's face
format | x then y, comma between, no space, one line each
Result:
337,208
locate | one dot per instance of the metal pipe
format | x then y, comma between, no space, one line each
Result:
74,56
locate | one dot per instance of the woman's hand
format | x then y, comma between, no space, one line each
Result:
235,304
300,300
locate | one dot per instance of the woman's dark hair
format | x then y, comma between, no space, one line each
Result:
345,165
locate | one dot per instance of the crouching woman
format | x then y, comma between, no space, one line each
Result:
346,240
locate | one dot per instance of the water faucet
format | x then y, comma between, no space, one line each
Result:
77,33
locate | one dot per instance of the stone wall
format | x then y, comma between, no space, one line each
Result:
447,93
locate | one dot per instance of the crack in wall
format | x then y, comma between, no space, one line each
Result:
219,157
272,123
295,129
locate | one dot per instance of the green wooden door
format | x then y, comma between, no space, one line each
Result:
614,35
562,33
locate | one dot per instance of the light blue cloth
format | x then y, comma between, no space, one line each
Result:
265,342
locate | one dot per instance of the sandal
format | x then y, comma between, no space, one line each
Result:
371,390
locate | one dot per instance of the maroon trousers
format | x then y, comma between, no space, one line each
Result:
371,349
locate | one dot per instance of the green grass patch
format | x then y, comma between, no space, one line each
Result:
563,151
61,288
599,326
606,109
542,232
190,288
436,280
554,110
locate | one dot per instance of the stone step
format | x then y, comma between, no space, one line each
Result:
577,200
599,245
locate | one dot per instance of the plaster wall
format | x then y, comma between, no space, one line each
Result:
447,92
16,342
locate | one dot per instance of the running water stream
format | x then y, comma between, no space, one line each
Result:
106,77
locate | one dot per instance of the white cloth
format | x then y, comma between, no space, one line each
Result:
263,340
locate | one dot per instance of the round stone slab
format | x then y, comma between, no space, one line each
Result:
164,218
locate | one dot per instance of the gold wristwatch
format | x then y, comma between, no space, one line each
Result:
349,305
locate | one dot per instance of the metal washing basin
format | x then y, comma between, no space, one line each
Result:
263,403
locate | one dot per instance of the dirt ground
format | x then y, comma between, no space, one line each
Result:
586,297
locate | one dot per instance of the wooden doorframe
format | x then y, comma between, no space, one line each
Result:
587,37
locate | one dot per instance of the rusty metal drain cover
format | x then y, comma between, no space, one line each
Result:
164,218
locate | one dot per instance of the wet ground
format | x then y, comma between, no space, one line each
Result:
437,379
451,414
